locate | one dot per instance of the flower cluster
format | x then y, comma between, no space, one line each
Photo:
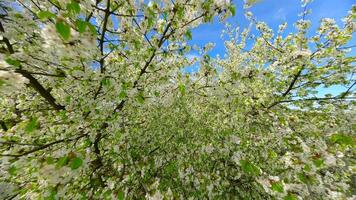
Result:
10,80
109,110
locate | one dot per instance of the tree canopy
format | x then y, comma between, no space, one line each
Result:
96,104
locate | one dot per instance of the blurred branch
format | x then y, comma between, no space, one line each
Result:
33,81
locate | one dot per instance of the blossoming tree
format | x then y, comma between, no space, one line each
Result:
95,104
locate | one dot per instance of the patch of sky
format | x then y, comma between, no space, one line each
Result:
273,13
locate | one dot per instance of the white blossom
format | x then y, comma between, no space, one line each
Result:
11,79
112,110
236,157
222,3
301,53
330,160
274,178
156,196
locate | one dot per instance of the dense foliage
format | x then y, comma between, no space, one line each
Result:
96,104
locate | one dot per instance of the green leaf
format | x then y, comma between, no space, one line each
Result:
165,15
122,94
15,63
76,163
81,25
107,194
73,7
232,9
2,82
12,170
31,125
106,82
278,187
150,22
180,12
50,160
272,154
182,89
151,16
136,44
18,16
44,15
188,34
208,18
290,197
318,162
120,195
56,3
307,168
302,177
63,29
140,98
62,161
342,139
305,178
249,168
92,28
52,194
207,5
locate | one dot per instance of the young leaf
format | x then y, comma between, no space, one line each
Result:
13,62
318,162
62,161
180,12
182,89
50,160
342,139
140,98
278,187
122,94
81,25
249,168
44,15
188,34
2,82
73,7
76,163
106,82
92,28
52,194
232,9
290,197
12,170
120,195
31,125
63,29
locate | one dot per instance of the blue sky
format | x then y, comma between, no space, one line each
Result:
274,13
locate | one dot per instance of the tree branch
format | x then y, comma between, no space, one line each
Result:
33,82
291,85
336,98
3,125
348,90
42,147
318,99
102,37
41,90
143,70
